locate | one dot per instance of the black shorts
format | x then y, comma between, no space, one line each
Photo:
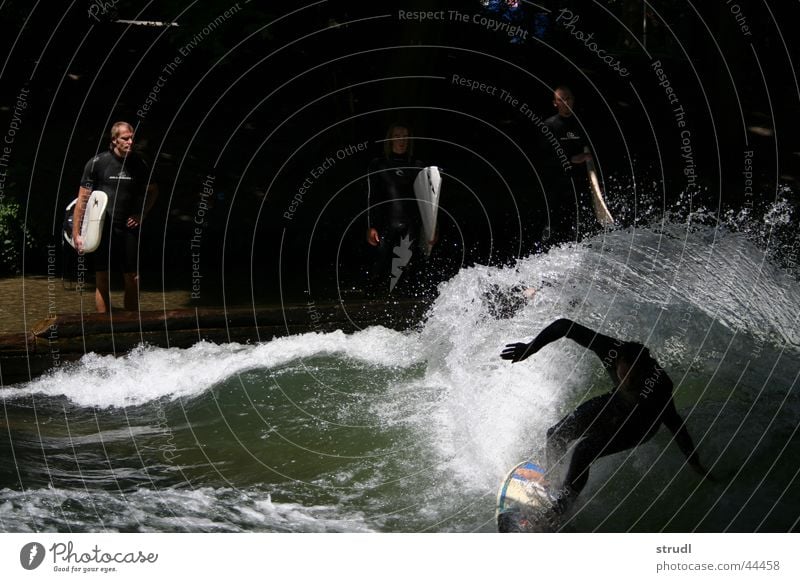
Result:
118,249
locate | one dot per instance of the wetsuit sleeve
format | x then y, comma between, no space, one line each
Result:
89,177
604,346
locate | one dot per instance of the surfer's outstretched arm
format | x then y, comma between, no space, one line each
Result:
604,346
677,426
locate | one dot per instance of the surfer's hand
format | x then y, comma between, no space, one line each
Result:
78,240
134,221
373,238
517,352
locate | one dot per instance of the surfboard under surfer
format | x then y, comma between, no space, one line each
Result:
627,416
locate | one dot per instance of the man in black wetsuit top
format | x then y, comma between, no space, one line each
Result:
572,169
393,219
125,178
628,415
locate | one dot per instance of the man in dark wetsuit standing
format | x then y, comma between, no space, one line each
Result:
393,219
125,178
627,416
570,136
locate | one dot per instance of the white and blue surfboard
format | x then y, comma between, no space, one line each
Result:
524,503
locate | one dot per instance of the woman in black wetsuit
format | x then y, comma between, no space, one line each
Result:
393,219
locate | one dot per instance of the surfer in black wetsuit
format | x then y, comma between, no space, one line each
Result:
628,415
125,178
393,219
568,168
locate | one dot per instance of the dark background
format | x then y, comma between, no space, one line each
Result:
277,88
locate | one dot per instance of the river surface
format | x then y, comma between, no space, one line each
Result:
414,431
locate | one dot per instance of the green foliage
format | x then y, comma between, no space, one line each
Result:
12,236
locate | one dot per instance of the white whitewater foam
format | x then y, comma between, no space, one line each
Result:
149,373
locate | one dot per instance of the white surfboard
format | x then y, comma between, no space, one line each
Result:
92,226
598,202
524,503
427,187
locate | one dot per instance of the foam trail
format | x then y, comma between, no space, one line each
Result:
148,373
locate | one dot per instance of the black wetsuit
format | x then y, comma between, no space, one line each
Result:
563,198
570,136
393,211
618,420
125,181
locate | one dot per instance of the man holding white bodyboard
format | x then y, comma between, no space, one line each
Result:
125,179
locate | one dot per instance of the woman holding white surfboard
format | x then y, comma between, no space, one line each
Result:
394,222
125,179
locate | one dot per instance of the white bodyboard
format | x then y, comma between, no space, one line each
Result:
92,226
427,187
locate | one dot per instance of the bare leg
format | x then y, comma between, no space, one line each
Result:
131,291
102,300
